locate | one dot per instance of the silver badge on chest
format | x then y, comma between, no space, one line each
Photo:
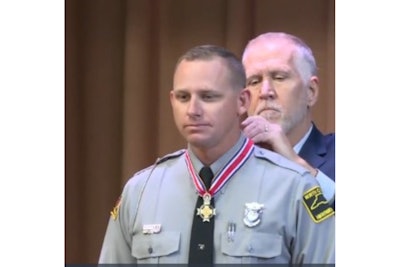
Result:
252,214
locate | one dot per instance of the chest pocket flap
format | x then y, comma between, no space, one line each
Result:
252,244
155,245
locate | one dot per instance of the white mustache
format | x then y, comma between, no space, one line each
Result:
268,108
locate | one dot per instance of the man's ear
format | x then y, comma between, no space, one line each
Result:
243,101
171,96
313,91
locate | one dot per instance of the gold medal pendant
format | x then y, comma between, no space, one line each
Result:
206,211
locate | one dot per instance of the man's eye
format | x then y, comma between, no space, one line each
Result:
279,77
182,97
253,82
208,97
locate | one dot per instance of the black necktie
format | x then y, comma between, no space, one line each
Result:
202,236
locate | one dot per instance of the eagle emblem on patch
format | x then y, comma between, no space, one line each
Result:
115,210
316,204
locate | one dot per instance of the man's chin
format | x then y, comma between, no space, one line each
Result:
272,116
195,140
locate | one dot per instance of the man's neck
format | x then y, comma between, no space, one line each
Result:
208,155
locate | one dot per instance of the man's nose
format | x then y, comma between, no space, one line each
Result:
194,107
267,90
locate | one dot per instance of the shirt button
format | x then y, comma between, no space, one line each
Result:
249,248
150,250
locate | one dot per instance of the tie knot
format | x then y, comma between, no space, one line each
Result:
206,175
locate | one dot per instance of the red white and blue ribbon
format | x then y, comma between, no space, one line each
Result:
226,172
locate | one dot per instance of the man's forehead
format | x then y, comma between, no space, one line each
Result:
279,48
267,65
195,90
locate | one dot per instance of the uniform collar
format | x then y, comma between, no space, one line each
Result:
217,165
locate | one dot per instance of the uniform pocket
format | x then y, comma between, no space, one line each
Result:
150,247
252,244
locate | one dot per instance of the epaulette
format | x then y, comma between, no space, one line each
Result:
279,160
170,156
161,160
143,170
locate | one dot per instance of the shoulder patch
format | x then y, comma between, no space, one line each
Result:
316,204
170,156
115,211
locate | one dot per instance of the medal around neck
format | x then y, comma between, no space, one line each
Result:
252,214
206,211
